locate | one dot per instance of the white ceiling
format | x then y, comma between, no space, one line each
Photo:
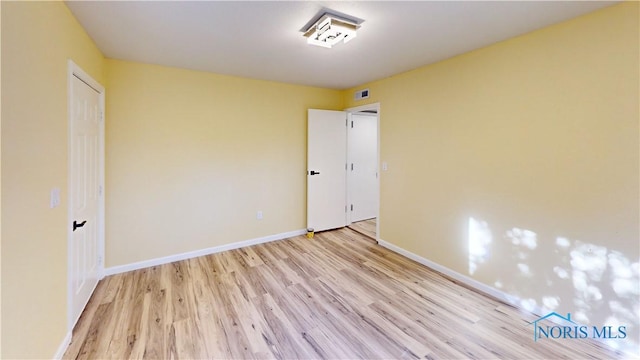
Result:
262,40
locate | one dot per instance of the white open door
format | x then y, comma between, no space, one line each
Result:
363,167
326,169
86,164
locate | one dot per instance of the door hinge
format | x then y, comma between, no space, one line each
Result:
99,260
351,166
100,190
352,124
346,122
351,207
345,208
101,114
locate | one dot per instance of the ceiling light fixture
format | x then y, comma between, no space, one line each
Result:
330,29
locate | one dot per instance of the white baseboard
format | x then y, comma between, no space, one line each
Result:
510,299
502,296
63,346
192,254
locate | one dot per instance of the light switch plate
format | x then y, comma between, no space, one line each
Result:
54,200
384,166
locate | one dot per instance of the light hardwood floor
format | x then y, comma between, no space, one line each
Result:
335,296
365,227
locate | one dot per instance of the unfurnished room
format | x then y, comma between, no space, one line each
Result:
320,179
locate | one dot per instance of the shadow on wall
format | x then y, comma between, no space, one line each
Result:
598,286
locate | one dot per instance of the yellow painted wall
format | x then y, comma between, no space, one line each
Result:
37,40
537,133
192,156
0,191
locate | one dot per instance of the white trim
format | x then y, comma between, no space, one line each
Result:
63,346
372,106
73,70
347,194
474,284
192,254
376,107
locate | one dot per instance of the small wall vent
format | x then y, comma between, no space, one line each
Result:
362,94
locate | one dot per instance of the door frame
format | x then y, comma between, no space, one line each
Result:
75,71
351,111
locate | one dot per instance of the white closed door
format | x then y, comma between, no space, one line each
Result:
363,167
326,169
84,192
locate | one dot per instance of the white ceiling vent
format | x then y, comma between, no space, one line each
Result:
362,94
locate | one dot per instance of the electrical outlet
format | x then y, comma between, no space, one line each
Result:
259,215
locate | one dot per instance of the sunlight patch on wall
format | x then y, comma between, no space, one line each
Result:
588,262
583,286
590,259
526,238
562,273
480,238
550,302
626,276
620,311
524,269
529,304
580,317
524,242
602,285
563,242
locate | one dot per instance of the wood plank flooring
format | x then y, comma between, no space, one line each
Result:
365,227
336,296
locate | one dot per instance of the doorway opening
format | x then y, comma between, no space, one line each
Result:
363,176
343,182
